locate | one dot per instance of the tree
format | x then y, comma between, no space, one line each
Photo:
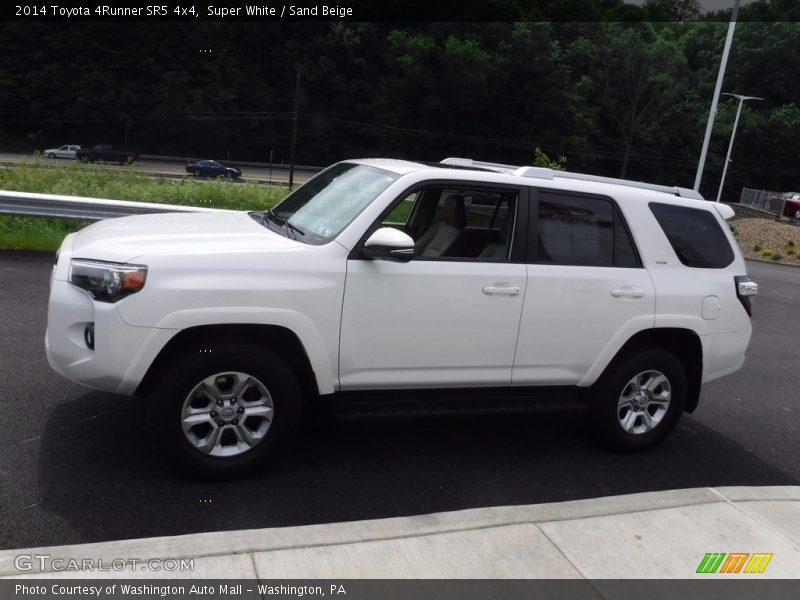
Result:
634,82
676,11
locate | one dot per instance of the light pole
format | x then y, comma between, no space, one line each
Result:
733,135
712,114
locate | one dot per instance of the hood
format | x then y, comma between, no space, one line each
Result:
124,238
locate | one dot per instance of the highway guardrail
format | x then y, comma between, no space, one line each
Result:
90,209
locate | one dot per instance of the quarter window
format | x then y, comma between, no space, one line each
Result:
401,212
695,236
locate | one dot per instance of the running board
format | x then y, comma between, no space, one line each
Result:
405,403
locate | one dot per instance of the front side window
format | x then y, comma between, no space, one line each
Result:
582,230
329,202
457,222
695,236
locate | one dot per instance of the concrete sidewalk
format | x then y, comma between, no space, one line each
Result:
651,535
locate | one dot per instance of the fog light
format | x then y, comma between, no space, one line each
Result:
88,336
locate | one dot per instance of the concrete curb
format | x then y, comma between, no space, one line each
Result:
563,537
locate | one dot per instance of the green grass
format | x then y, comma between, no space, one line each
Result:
44,233
35,233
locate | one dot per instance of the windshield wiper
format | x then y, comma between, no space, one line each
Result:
276,218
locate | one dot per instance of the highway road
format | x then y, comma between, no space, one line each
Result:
77,466
278,174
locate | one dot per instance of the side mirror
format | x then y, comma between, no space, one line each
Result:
388,243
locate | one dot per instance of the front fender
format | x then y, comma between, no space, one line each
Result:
305,330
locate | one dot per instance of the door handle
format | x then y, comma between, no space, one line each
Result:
502,290
628,291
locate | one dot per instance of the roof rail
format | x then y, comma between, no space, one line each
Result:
468,162
545,173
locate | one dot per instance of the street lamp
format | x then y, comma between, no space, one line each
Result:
733,135
712,114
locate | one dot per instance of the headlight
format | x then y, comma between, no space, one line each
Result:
107,281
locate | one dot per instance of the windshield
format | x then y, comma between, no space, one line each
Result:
330,201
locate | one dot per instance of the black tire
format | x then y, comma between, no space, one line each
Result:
184,376
51,155
611,393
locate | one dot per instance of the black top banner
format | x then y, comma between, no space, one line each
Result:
398,11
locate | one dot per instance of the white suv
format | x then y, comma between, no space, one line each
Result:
385,285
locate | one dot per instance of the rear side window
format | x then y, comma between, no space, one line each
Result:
695,235
582,230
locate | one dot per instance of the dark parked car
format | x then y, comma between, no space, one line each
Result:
106,153
784,203
211,168
792,206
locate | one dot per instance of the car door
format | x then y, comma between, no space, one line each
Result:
587,290
441,320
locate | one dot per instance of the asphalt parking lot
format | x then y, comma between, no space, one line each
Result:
77,466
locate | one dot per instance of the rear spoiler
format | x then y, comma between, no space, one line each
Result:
725,211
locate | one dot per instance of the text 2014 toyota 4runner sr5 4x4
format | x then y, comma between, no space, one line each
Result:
384,283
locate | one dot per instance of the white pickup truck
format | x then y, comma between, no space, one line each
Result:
382,284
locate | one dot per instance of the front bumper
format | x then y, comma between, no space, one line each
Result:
122,352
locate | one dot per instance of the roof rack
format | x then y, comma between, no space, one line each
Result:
545,173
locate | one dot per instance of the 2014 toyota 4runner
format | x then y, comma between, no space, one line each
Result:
382,284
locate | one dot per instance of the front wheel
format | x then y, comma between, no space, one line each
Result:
640,400
223,409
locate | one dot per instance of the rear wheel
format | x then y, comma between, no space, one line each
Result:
51,155
797,214
640,400
224,409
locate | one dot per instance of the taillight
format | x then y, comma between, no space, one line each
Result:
745,289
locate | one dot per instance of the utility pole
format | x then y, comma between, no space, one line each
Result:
295,117
713,112
271,159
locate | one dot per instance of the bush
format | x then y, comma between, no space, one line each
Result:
766,253
791,251
756,248
790,244
777,256
540,159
